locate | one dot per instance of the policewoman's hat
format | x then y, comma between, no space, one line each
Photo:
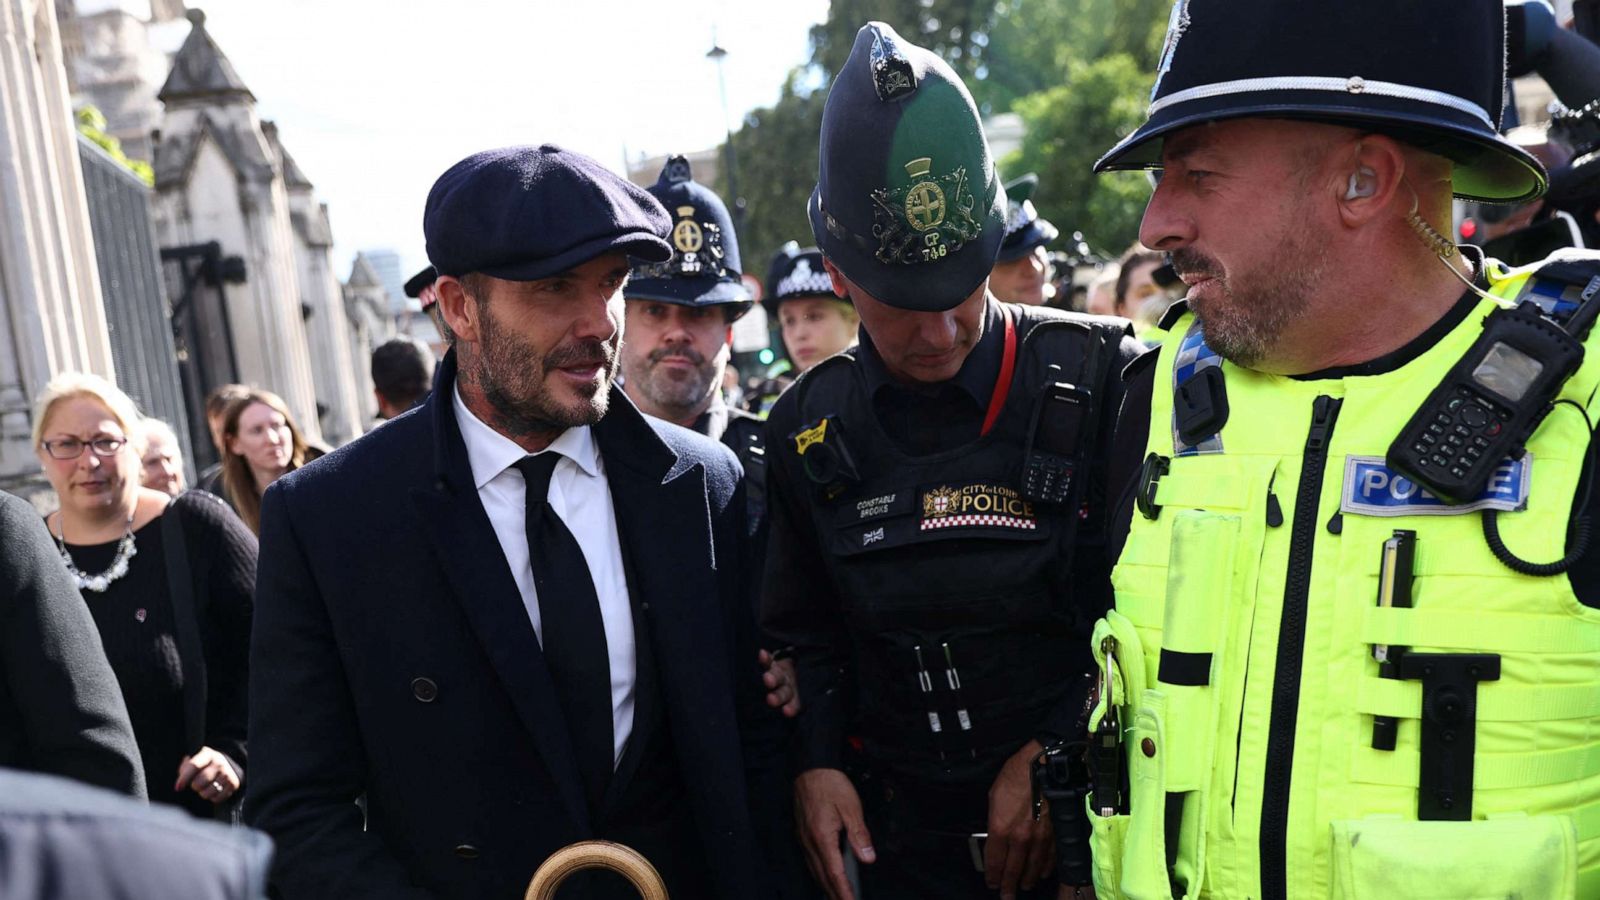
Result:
796,273
1025,229
704,268
907,204
1427,72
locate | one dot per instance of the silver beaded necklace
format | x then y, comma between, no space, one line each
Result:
118,568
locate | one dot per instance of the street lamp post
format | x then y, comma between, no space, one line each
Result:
716,54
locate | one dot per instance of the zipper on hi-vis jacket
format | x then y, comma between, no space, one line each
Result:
1291,648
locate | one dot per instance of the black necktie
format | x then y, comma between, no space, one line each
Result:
574,636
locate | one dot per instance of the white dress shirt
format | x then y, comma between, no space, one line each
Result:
581,496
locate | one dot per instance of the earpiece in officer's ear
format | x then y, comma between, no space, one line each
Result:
1363,183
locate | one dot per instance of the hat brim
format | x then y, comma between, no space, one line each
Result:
1038,233
641,246
1487,166
930,287
695,292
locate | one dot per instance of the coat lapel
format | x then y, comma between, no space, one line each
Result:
452,516
665,528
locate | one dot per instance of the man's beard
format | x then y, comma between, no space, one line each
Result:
1246,323
678,394
513,378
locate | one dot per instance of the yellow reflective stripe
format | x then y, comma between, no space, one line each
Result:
1471,630
1496,703
1491,771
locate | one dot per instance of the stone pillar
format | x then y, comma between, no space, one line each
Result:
49,284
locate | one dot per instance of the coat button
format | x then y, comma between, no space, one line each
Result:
467,851
425,690
1148,746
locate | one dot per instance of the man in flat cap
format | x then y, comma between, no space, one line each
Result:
1358,586
471,616
935,501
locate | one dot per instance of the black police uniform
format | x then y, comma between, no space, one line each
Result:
939,604
941,619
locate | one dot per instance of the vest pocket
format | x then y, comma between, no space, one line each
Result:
1107,836
1144,852
1532,857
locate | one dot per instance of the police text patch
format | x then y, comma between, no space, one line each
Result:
976,506
1371,488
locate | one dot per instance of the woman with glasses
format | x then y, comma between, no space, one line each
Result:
261,443
169,583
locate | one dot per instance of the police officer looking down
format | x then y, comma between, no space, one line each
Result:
935,514
1321,679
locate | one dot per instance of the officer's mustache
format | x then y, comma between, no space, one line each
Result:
688,353
1188,261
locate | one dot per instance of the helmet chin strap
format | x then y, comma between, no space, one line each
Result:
1443,248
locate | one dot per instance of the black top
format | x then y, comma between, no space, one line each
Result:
60,710
1133,430
138,629
924,419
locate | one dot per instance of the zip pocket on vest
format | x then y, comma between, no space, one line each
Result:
1531,857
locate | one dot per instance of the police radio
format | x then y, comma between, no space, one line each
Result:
1061,420
1493,398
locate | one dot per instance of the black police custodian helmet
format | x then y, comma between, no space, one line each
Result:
1428,72
704,268
796,273
907,204
1025,229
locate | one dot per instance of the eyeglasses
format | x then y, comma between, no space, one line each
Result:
72,448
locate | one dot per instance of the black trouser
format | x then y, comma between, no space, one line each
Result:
923,839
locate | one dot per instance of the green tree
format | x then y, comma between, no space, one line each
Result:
1068,128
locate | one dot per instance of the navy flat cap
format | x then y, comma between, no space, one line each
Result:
525,213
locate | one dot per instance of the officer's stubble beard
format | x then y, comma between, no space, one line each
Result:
677,397
1244,318
512,376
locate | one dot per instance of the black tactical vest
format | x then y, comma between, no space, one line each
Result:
955,587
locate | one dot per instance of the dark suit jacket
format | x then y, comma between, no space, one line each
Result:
392,656
60,709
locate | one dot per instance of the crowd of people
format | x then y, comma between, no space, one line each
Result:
1026,583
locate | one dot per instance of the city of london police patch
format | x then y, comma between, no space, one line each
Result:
976,506
928,219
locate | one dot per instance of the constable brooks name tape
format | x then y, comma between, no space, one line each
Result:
1371,488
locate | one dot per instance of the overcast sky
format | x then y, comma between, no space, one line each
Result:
376,98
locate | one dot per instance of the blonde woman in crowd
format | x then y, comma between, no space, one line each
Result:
169,584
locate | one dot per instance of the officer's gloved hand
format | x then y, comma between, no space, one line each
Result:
1530,26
